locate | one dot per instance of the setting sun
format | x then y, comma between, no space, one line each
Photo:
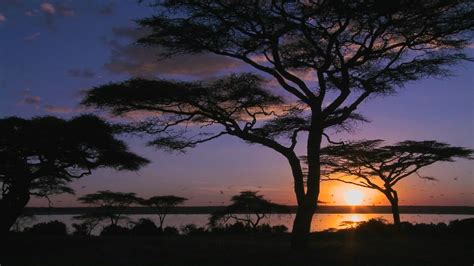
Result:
353,197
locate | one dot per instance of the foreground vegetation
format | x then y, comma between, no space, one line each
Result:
370,243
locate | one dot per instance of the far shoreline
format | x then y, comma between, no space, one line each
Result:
468,210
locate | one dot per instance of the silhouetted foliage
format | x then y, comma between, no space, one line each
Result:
279,229
111,205
145,227
50,228
82,229
369,164
161,205
40,156
464,226
22,221
249,208
89,221
351,51
170,230
192,229
114,230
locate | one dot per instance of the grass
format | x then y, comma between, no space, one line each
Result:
325,249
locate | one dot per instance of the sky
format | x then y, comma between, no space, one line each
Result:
51,51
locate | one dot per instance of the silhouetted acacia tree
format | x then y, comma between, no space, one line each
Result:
110,205
249,208
369,164
327,57
162,205
40,156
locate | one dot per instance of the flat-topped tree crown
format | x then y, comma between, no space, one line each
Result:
162,205
110,205
325,57
370,164
40,156
248,207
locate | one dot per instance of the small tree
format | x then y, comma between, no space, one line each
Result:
162,205
40,156
111,205
249,208
325,57
369,164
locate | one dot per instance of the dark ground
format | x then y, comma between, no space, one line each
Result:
326,249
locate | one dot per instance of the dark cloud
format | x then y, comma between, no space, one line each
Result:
139,61
29,99
81,73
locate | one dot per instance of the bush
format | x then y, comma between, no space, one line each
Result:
465,226
279,229
145,227
192,229
170,230
81,229
263,229
56,228
114,230
374,226
235,228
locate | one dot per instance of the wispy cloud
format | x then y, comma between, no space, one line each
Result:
139,61
48,8
27,98
82,73
63,110
51,11
32,37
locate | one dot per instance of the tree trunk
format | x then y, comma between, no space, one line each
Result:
307,206
393,199
11,207
302,225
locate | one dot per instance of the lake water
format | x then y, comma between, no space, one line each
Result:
320,221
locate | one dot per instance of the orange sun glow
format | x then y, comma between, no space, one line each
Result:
353,197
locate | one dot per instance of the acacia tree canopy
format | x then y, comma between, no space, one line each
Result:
40,156
162,205
111,205
369,161
371,164
244,206
327,58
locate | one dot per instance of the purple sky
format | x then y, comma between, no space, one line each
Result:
51,51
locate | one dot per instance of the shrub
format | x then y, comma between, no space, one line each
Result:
114,230
375,226
81,229
263,229
170,230
192,229
50,228
465,226
279,229
145,227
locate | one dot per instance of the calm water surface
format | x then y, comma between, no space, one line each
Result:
320,221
